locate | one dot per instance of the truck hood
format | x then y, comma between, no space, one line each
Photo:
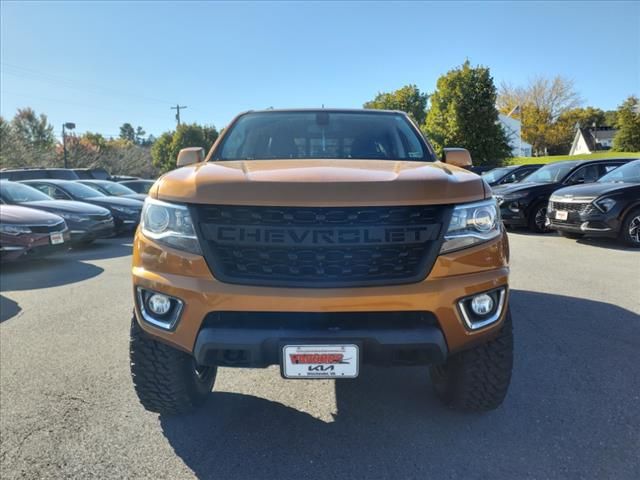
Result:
320,183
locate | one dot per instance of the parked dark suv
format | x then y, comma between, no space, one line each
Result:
17,174
524,204
609,207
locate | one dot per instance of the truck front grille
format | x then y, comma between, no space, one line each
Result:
320,246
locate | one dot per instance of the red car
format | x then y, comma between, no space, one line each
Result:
25,232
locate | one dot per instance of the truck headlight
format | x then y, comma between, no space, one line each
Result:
605,204
169,224
471,224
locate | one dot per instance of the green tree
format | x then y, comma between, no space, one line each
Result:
127,132
10,149
407,99
139,136
463,114
610,118
166,148
628,122
33,131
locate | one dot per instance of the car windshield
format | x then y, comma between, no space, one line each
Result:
629,173
496,174
116,189
552,173
322,134
18,193
81,191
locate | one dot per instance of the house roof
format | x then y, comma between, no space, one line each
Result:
593,137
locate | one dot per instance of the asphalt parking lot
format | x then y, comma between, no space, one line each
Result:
68,410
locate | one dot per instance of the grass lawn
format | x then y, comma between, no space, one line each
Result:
557,158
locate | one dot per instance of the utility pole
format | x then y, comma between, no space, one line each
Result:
68,126
177,109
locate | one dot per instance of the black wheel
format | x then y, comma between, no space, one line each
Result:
572,235
630,230
477,379
538,218
166,380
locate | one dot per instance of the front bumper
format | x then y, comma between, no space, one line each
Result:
31,246
592,223
82,232
513,213
256,339
188,278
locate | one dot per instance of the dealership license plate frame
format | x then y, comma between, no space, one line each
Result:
562,215
56,238
320,370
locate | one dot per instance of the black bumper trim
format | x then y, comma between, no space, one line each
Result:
416,341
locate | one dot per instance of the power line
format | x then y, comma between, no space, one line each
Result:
44,77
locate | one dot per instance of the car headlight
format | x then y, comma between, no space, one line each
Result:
72,217
14,229
126,210
605,204
170,225
471,224
514,196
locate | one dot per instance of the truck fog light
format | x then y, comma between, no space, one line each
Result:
159,304
513,206
482,304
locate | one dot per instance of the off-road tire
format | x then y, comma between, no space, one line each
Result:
539,209
631,222
571,235
477,380
166,379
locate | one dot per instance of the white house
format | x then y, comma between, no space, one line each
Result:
589,140
513,129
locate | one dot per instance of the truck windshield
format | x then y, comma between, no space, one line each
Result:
322,134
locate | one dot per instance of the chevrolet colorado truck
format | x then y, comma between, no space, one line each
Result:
320,241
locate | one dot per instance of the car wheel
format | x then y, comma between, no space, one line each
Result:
477,379
167,381
630,231
572,235
538,218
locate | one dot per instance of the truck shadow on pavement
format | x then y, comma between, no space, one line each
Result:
8,308
572,411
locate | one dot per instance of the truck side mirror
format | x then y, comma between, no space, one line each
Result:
190,155
458,157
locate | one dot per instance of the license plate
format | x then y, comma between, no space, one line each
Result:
562,214
56,238
320,361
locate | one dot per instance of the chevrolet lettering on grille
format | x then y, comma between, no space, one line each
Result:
309,236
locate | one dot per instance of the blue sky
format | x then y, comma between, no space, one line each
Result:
102,64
